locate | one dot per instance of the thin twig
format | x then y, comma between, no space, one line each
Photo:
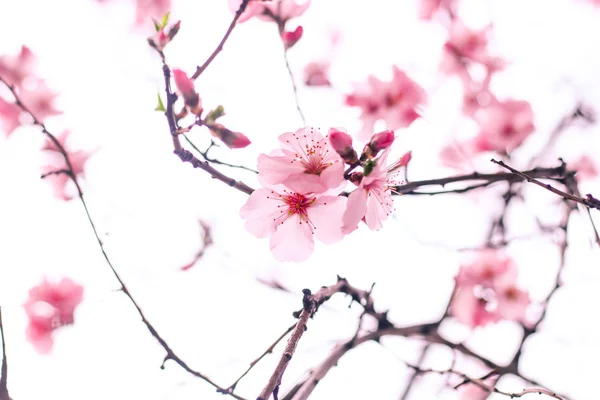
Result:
269,350
170,353
200,69
204,155
294,87
589,201
4,379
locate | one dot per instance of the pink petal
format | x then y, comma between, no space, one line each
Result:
379,207
273,170
326,215
261,210
293,240
355,210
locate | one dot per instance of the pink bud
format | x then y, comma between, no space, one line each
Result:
339,140
185,87
342,144
233,140
382,140
291,38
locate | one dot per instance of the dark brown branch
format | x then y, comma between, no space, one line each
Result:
204,155
589,201
269,350
200,69
186,155
548,173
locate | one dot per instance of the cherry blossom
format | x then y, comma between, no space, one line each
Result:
164,36
305,163
291,219
60,181
504,125
14,69
486,291
50,306
9,116
342,144
585,166
233,140
146,9
465,43
395,102
372,200
279,11
38,99
316,74
430,7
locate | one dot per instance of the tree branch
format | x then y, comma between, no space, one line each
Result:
4,379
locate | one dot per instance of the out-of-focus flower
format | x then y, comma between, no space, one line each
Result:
185,87
395,102
233,140
50,306
504,125
14,69
316,74
585,166
9,116
279,11
164,35
429,7
147,9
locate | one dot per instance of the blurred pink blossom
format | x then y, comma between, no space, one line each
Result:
50,306
14,69
9,116
504,125
429,7
395,102
272,10
585,166
290,38
147,9
316,74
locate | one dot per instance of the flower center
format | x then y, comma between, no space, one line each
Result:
298,204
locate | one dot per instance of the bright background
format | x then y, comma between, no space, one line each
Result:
218,316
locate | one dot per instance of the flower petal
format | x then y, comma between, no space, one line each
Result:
293,240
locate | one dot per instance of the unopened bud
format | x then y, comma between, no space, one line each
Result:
173,30
356,178
379,141
233,140
291,38
342,144
185,87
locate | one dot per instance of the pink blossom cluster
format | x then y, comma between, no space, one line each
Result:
277,11
17,72
395,102
302,181
50,305
504,124
487,291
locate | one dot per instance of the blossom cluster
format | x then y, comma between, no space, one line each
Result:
487,291
302,182
50,305
33,94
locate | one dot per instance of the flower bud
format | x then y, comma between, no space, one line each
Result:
233,140
379,141
185,87
291,38
342,144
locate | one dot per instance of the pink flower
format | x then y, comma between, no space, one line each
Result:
50,306
306,163
504,125
430,7
291,219
15,69
9,116
486,291
279,11
59,181
38,100
394,102
586,167
146,9
342,144
472,310
316,74
372,200
185,87
290,38
466,43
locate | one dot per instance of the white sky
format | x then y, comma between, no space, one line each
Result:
216,316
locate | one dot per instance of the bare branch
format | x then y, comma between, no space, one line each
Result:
4,379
